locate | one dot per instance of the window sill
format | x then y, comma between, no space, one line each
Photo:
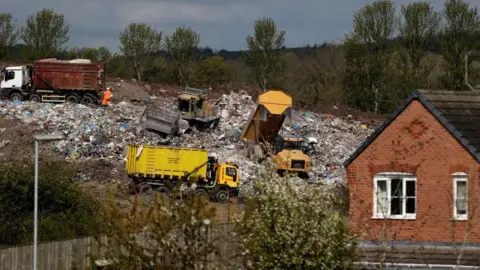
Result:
396,217
459,219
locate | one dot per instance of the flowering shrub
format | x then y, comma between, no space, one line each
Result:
164,233
290,224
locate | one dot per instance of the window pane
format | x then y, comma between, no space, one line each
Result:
397,188
461,206
461,189
410,188
461,202
382,198
396,207
411,206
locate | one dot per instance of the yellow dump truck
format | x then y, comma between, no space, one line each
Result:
264,125
162,168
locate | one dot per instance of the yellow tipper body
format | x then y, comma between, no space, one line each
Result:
264,123
165,162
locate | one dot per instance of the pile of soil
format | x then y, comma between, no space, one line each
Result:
16,139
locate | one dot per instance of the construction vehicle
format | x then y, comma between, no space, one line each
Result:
192,110
52,80
273,108
192,104
164,168
158,119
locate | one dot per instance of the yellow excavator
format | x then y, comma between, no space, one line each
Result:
273,108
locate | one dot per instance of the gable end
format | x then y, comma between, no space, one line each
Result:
416,95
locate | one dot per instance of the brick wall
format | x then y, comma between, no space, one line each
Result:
415,142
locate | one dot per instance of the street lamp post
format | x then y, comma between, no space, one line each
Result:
39,138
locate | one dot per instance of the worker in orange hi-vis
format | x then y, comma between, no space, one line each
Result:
107,95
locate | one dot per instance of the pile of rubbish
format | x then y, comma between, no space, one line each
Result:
74,61
94,132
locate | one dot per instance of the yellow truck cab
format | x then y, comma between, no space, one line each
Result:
289,154
227,174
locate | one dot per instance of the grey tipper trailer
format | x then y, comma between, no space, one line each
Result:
158,119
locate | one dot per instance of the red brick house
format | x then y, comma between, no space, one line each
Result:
416,178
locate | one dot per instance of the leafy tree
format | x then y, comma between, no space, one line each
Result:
212,71
45,33
319,82
117,66
462,22
159,70
238,73
367,51
8,34
290,224
178,229
94,54
84,53
65,211
264,53
180,46
139,42
419,24
104,54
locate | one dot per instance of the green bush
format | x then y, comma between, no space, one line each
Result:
65,210
290,224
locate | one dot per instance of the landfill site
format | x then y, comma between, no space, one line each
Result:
95,133
64,98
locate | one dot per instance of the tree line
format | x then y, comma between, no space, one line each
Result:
378,64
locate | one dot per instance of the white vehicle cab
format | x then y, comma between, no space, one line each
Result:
14,79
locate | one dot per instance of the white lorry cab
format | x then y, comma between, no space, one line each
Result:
14,80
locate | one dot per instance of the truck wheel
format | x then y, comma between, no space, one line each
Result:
221,196
88,99
201,193
73,98
162,190
146,189
16,96
35,98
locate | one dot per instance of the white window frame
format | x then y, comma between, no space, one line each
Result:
459,177
388,176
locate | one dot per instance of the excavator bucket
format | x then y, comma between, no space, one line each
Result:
274,107
155,118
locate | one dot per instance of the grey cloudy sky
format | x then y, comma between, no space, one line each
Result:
222,24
